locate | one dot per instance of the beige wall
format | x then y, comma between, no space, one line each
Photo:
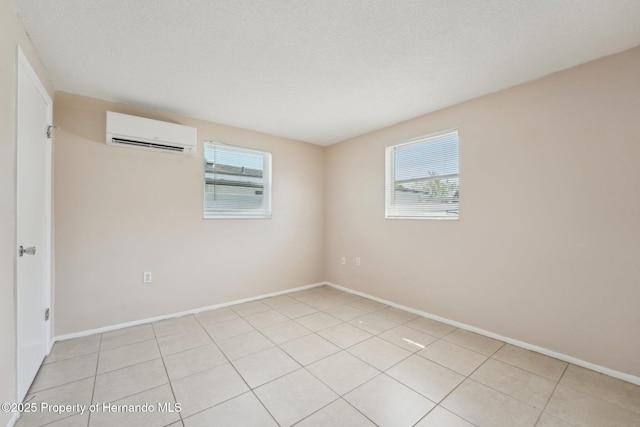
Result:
547,248
120,212
11,36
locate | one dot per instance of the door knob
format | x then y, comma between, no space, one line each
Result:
28,251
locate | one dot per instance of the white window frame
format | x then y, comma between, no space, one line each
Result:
395,210
264,211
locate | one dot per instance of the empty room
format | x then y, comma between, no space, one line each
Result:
319,213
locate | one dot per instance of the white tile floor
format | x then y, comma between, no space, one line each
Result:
319,357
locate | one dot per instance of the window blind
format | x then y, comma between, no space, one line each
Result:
422,178
237,182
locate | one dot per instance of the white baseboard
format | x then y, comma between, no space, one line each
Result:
570,359
179,314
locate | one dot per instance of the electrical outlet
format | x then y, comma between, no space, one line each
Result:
343,261
146,277
357,260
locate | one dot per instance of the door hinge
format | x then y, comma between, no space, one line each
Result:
46,315
50,129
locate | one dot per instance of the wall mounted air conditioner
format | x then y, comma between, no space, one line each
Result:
138,132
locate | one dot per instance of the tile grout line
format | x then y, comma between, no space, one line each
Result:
448,368
238,373
544,408
164,365
535,374
161,357
416,391
513,397
586,393
468,377
263,405
340,396
95,379
302,367
379,372
62,384
131,343
530,371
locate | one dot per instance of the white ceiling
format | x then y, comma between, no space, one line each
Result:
319,71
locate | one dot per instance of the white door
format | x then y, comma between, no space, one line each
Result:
33,223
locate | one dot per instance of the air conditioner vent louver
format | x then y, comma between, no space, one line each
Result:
148,134
146,144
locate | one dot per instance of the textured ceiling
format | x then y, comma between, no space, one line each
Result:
318,71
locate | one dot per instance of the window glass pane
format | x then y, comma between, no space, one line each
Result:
237,182
422,178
